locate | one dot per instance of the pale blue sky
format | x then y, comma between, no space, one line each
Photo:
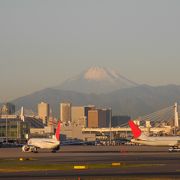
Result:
43,42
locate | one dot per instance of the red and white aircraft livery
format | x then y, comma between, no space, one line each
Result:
34,144
140,138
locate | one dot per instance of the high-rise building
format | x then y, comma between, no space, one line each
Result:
78,115
65,112
108,116
96,118
43,112
86,109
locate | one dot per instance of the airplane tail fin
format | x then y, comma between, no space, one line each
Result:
57,135
135,129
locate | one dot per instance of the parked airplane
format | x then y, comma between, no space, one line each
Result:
34,144
141,138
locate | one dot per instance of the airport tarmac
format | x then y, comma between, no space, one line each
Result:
130,162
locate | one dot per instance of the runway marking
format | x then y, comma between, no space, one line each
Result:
80,167
21,159
116,164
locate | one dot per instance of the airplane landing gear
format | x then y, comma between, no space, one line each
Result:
53,151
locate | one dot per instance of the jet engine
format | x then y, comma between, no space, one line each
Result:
27,148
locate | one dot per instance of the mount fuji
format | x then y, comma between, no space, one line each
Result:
97,80
104,88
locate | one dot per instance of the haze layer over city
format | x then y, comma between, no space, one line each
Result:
89,89
43,43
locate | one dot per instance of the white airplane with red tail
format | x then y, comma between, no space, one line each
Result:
141,138
34,144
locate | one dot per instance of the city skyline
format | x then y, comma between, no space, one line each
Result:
44,43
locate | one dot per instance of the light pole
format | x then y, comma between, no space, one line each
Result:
6,128
110,124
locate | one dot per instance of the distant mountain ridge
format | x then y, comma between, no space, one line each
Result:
134,101
97,80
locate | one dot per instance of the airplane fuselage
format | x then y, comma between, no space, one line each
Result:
44,143
158,141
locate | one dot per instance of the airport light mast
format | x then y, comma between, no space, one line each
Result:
6,126
110,124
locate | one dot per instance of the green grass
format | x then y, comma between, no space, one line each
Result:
14,165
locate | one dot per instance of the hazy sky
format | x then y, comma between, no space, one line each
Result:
43,42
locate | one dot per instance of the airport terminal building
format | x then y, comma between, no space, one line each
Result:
13,129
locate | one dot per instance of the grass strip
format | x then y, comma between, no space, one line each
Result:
63,167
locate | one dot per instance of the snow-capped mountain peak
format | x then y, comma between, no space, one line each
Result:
97,80
97,74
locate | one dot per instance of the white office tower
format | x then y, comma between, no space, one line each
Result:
22,114
65,112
